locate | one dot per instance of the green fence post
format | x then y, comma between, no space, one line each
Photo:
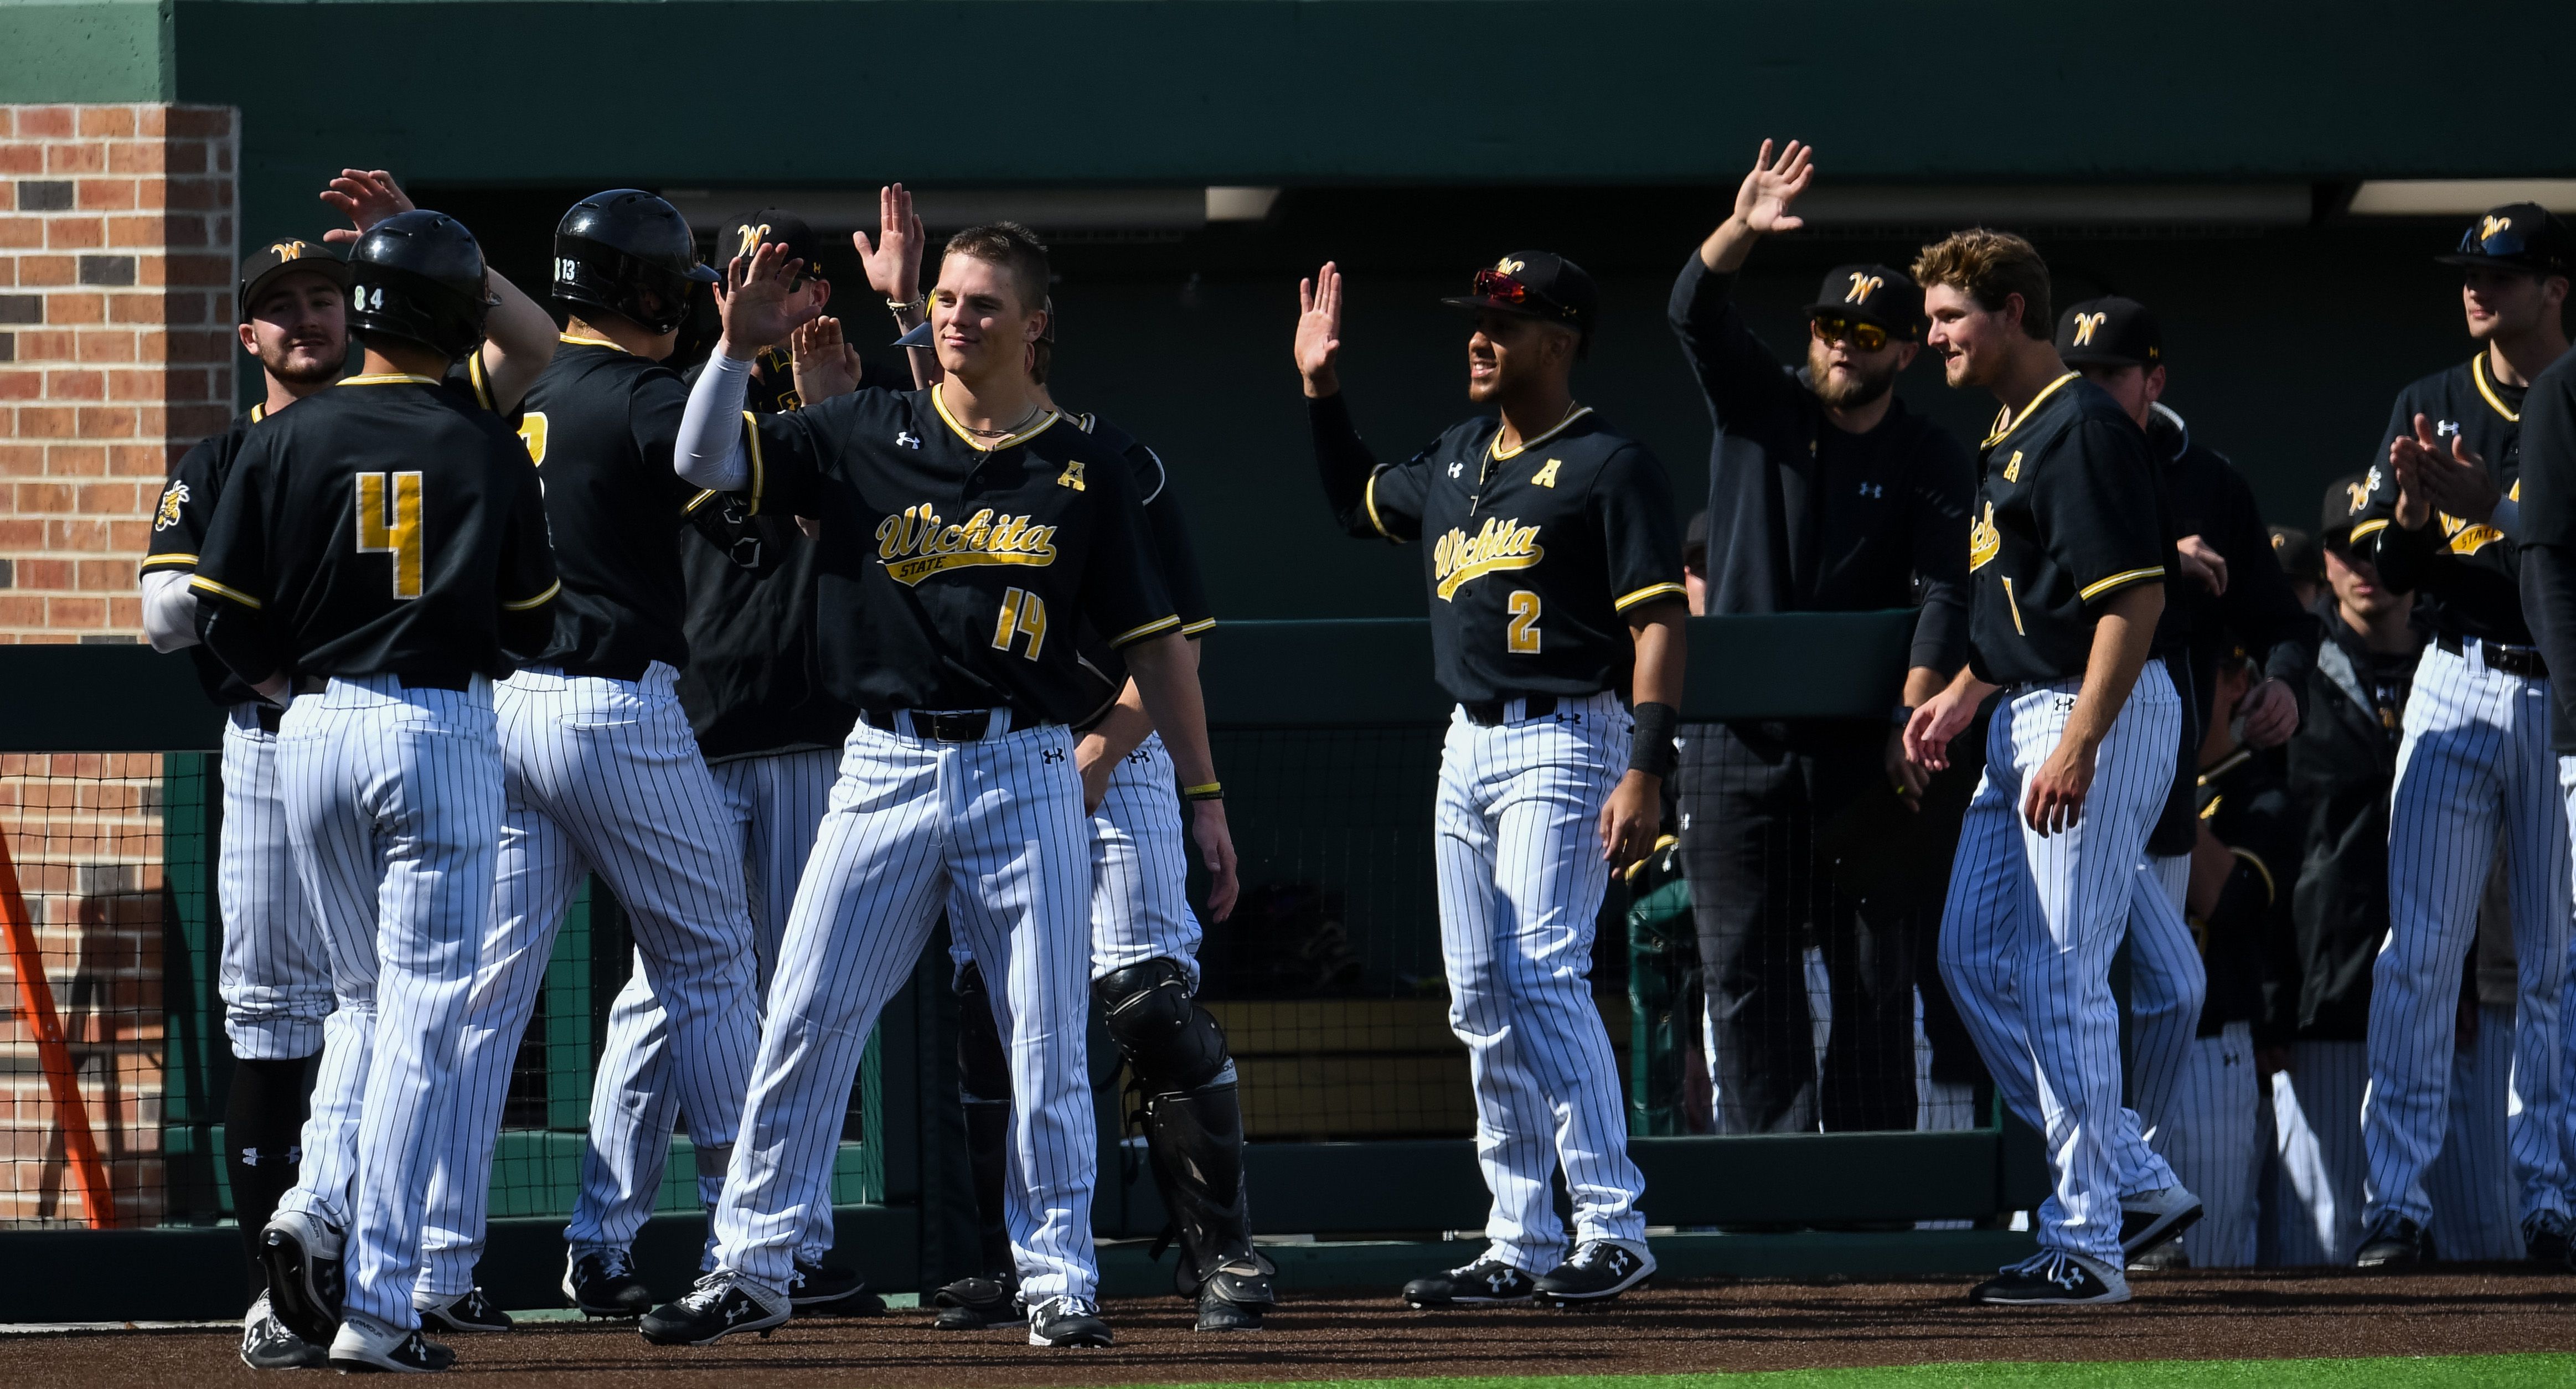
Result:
571,1054
196,1064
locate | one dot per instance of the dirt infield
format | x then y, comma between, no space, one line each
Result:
1752,1325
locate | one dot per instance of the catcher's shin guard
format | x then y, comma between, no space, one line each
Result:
1195,1138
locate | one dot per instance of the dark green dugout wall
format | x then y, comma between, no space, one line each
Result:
1418,139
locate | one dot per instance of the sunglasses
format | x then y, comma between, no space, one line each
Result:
1833,328
1503,289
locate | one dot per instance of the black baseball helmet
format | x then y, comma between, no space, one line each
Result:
418,276
630,253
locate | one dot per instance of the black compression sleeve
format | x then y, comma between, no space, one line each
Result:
239,637
1344,461
1653,751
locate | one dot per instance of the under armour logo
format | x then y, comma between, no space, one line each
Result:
737,1312
1569,718
905,438
1140,757
1873,489
2447,427
1498,1281
1054,754
1457,468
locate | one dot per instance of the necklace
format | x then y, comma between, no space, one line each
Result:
1034,412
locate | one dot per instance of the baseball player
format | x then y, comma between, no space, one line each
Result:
377,554
602,772
2547,532
273,975
2440,523
2068,555
965,537
768,730
1553,556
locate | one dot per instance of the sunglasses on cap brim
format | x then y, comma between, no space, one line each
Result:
1505,291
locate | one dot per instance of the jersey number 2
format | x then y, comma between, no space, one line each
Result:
389,524
1522,636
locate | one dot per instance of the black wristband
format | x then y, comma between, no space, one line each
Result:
1653,752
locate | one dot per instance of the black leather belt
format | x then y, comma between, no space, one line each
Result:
1486,713
943,726
268,715
316,684
2524,661
628,671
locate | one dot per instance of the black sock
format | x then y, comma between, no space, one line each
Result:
263,1130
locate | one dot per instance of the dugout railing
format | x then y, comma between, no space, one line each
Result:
1327,733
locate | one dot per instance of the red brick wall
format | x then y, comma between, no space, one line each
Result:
117,255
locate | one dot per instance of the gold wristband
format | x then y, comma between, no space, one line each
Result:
1212,791
900,307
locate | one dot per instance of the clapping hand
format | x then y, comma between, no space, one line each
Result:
825,365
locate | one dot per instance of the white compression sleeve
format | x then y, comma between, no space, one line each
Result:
709,450
169,610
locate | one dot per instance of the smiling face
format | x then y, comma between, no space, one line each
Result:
298,328
2507,304
1509,352
978,320
1974,343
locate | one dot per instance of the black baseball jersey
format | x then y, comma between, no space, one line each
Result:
179,532
1533,555
955,573
2247,944
1172,556
754,682
2069,513
2465,577
387,525
600,423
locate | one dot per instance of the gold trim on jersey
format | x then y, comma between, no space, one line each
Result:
482,379
2015,604
2363,530
207,585
1503,543
589,342
170,560
258,412
387,378
940,403
1198,628
1493,446
2478,373
698,501
1648,594
1154,628
539,601
2223,766
2006,421
751,445
2124,577
2271,885
1369,495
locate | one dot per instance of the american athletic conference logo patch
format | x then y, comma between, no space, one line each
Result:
167,514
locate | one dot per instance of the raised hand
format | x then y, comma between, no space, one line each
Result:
752,301
1319,331
894,259
365,197
1762,202
824,364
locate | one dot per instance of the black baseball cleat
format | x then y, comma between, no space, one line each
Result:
722,1303
2151,1218
2052,1278
829,1289
2394,1243
975,1304
469,1310
302,1256
1067,1321
266,1344
601,1285
365,1345
1488,1282
2545,1237
1600,1270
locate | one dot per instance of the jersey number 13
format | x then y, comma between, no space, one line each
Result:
389,524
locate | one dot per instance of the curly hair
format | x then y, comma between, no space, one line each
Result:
1988,266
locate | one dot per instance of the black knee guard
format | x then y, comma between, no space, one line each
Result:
1169,1041
984,1084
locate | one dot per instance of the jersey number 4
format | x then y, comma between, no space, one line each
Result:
389,524
1521,637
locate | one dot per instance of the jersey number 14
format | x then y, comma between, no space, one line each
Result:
389,524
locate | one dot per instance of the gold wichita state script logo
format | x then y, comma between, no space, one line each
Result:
1983,540
919,542
1502,544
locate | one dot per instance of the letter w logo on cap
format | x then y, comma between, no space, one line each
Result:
2492,225
287,250
1863,286
2085,324
752,237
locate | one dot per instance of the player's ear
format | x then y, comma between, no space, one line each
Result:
249,339
1905,352
2154,381
822,295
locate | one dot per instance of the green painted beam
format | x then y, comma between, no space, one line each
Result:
86,50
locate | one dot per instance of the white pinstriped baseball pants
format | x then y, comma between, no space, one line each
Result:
2168,983
600,775
274,974
2212,1137
1521,878
2476,758
393,807
2027,937
775,804
993,831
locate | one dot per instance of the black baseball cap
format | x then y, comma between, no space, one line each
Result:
2521,237
772,225
2110,331
1535,284
290,256
1880,294
2298,553
2344,499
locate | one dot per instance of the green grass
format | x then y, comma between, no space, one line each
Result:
2390,1372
